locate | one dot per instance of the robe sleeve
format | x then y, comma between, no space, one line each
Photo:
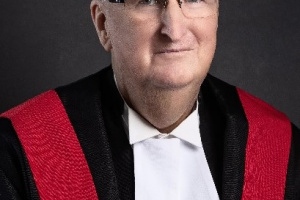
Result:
16,181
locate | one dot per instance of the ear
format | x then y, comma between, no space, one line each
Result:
99,20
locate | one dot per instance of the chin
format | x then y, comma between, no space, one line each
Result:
177,76
172,82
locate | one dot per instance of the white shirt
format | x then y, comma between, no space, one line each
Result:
169,166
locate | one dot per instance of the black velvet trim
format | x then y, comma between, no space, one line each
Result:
16,180
212,126
122,152
224,131
292,190
94,106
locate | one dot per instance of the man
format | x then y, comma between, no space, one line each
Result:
153,125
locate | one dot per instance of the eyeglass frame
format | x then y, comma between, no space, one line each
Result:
165,2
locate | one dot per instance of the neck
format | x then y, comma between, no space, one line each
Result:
164,109
170,128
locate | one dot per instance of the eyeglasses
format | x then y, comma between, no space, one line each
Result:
190,8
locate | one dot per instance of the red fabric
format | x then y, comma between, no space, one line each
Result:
267,150
58,164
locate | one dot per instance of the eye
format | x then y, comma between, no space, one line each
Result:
148,2
116,1
193,1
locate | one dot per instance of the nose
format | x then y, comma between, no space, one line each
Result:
173,21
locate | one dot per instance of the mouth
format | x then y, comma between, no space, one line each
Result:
170,51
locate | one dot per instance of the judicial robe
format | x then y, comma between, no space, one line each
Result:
253,151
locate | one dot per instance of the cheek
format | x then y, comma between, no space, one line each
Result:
129,31
206,34
133,39
206,29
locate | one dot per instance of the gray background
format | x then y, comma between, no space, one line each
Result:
47,43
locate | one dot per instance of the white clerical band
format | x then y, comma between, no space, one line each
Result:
171,169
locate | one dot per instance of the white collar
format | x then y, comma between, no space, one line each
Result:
139,129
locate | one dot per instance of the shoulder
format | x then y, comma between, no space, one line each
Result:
273,142
265,123
55,96
251,104
39,114
258,105
90,83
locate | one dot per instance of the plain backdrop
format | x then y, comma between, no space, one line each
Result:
48,43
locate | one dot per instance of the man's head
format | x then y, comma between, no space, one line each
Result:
166,47
157,45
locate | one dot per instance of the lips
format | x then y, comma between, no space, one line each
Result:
173,50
